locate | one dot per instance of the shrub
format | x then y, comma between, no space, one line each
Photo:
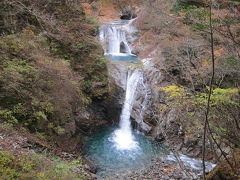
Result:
36,166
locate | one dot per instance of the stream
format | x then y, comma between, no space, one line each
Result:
119,149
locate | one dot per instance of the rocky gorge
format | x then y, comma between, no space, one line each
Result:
117,38
153,113
119,89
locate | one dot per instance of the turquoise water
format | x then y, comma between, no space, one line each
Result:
102,151
128,58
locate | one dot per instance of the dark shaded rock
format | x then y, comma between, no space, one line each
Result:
26,145
89,165
128,16
123,48
136,52
128,13
160,137
198,3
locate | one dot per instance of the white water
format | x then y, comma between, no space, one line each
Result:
191,162
114,38
123,137
115,42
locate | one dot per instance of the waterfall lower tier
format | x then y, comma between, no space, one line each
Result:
123,138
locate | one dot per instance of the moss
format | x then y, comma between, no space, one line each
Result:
7,116
59,130
35,166
11,167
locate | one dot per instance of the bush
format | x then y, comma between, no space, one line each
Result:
36,166
183,4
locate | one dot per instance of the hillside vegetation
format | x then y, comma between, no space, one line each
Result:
52,75
51,66
176,35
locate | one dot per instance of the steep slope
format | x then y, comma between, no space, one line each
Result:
176,43
53,76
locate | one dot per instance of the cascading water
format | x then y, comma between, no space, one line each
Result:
123,137
116,150
116,38
115,42
120,149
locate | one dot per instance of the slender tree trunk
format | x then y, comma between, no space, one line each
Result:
209,94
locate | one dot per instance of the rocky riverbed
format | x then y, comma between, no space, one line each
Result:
158,170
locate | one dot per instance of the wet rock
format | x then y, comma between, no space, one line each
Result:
128,13
135,51
90,166
26,145
93,176
159,137
89,121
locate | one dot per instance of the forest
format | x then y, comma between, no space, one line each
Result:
120,89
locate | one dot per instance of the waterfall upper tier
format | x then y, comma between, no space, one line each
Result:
115,38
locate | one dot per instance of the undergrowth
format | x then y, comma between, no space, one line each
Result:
34,166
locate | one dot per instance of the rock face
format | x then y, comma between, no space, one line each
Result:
128,12
117,82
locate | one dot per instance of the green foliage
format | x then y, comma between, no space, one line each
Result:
197,17
179,96
174,92
101,61
220,97
224,110
59,130
41,135
92,20
41,61
8,117
37,167
186,4
25,89
11,167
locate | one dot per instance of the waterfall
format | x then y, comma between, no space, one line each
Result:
114,39
115,42
123,137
